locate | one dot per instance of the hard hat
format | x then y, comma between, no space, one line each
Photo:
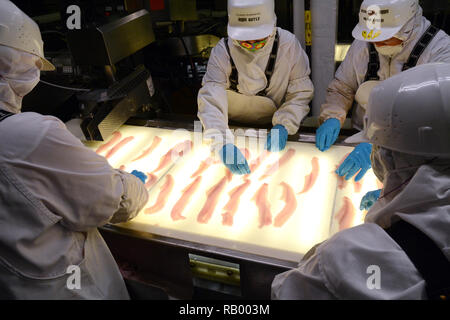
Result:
251,19
19,31
380,20
410,112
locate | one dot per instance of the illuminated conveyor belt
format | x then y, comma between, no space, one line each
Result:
327,205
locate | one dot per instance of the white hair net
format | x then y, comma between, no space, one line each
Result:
19,74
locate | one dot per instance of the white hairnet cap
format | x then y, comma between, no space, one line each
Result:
410,112
251,19
19,31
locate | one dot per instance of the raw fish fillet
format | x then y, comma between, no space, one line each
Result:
254,165
164,193
152,179
179,150
310,179
177,210
118,146
289,198
116,136
260,198
233,204
346,214
204,165
155,143
278,164
213,195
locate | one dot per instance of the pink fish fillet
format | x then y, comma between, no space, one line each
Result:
116,136
233,204
278,164
213,195
358,185
342,183
204,165
146,152
346,214
179,150
151,180
254,165
310,179
164,193
118,146
177,210
260,198
291,205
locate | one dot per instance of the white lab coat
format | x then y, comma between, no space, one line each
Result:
341,267
352,72
290,89
54,194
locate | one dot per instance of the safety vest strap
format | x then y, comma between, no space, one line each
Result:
5,114
270,68
426,256
420,47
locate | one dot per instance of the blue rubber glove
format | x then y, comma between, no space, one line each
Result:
234,160
140,175
369,199
358,160
280,136
327,134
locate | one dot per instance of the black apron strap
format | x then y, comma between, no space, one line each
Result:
5,114
420,47
428,259
374,64
270,68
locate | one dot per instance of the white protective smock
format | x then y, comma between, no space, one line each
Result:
352,72
342,267
54,194
288,95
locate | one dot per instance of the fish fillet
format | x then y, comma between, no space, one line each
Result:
155,143
289,198
164,193
260,198
278,164
342,183
254,165
152,179
346,214
233,204
213,195
116,136
179,150
358,185
204,165
177,210
310,179
118,146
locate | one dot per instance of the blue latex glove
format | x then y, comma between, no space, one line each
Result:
369,199
327,134
359,159
234,160
280,136
140,175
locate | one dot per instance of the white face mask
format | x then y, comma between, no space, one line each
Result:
389,51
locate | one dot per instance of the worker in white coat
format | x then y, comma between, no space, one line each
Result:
54,191
258,75
402,251
392,36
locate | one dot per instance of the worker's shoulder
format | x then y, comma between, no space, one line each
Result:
351,256
287,38
31,125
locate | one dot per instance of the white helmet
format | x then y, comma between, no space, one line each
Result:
251,19
380,20
410,112
19,31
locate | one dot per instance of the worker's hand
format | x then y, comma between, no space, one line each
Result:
142,176
369,199
358,160
234,160
327,134
277,138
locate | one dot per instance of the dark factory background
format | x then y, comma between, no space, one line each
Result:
184,34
